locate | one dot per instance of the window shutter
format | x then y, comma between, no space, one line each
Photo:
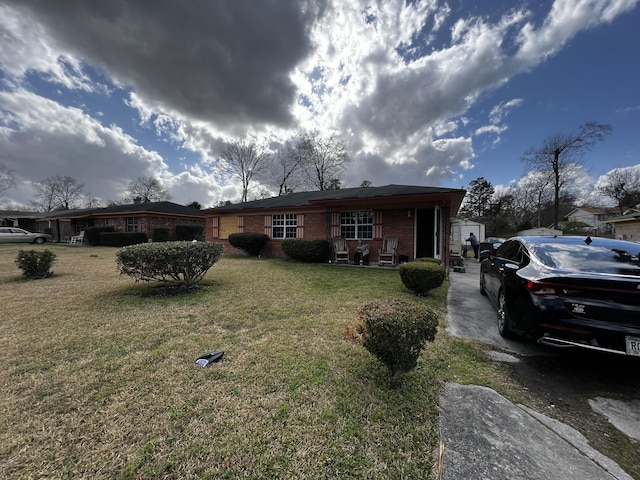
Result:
335,224
267,225
215,228
377,224
240,224
300,225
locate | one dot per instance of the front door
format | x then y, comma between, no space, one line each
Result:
426,233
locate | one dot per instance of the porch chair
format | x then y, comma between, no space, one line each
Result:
77,239
340,250
388,253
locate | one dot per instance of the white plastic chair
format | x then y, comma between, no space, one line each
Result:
77,239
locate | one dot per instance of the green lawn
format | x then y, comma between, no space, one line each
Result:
99,379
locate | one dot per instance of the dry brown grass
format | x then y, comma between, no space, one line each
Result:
99,379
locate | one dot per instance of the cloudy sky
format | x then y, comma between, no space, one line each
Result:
426,92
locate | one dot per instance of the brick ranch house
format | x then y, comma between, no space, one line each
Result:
135,217
419,217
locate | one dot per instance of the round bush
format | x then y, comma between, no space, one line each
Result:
35,264
420,277
306,250
183,263
395,332
252,243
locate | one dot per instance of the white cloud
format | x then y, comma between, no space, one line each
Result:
396,79
41,138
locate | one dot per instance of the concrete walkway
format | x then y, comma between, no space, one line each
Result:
486,436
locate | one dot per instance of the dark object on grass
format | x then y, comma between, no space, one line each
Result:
209,358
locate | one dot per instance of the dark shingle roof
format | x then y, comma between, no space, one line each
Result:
303,199
167,208
18,214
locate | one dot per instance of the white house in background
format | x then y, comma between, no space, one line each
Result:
627,226
541,231
594,218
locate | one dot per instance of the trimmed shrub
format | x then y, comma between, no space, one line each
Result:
181,263
420,277
92,234
251,243
189,232
35,264
431,259
395,332
306,250
122,239
160,234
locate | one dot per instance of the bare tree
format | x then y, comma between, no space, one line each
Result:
57,193
622,185
44,199
286,169
67,192
89,201
533,193
559,150
246,159
145,190
7,180
324,160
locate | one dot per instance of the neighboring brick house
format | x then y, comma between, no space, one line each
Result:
419,217
24,220
627,226
135,217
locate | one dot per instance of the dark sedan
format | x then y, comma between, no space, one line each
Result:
567,291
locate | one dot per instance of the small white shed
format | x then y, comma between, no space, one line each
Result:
460,230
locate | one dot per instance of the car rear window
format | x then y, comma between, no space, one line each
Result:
590,258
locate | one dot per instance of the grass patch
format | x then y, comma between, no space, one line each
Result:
98,372
99,376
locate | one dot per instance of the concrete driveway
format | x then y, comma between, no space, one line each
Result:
487,436
471,315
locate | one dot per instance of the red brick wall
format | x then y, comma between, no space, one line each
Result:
395,223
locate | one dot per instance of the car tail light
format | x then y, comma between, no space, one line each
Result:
549,288
566,329
542,288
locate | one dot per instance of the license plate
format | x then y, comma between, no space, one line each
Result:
633,345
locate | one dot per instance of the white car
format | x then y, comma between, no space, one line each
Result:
18,235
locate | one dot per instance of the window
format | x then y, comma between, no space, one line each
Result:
109,222
357,225
132,224
284,225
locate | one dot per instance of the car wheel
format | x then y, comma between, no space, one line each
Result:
483,290
40,240
503,317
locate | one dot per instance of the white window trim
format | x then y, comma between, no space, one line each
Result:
289,221
356,225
